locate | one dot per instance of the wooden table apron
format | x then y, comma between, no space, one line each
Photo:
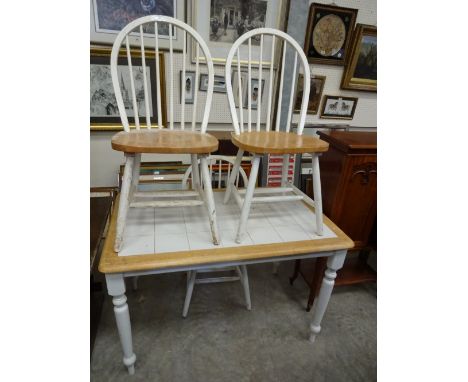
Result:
116,268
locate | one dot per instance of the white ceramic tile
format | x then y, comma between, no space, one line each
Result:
292,233
201,240
135,227
137,245
264,235
171,242
139,214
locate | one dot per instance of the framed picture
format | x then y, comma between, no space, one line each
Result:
104,113
337,107
328,34
254,87
219,83
221,22
187,85
109,17
360,72
316,88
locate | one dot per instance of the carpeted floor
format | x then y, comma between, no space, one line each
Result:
221,341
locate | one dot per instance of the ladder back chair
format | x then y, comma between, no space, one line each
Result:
144,139
217,164
257,142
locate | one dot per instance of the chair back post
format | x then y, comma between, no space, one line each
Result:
299,56
171,22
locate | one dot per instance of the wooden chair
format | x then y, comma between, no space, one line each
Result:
134,143
258,142
217,164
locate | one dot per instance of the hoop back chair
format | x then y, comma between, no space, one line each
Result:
252,139
184,141
217,163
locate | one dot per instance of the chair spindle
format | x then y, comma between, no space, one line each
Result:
171,88
158,81
145,84
182,110
132,84
288,121
195,88
259,96
280,92
249,88
239,80
270,88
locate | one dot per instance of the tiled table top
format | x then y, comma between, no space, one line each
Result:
162,230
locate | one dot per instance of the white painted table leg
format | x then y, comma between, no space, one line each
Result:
209,199
124,200
245,284
233,175
317,194
248,198
135,175
334,263
188,296
116,288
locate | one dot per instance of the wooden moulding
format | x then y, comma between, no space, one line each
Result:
278,142
112,263
164,141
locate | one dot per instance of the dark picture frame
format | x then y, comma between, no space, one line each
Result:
219,83
360,72
338,107
329,31
317,84
102,95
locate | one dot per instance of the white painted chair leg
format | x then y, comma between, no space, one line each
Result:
195,173
334,263
188,296
233,176
245,285
135,282
135,176
248,198
317,194
209,199
124,200
116,288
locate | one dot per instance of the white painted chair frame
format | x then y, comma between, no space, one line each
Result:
241,270
270,194
129,191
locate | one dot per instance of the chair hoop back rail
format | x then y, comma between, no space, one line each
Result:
257,142
134,143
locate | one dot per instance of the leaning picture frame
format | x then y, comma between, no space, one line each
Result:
360,72
221,22
328,35
104,114
338,107
109,17
317,83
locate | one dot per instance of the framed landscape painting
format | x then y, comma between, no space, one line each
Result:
104,113
328,34
361,69
221,22
109,17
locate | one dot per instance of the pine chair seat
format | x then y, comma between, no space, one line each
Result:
278,142
164,141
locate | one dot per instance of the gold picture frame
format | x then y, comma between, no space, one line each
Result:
100,55
317,84
360,72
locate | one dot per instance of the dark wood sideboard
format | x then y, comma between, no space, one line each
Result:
348,173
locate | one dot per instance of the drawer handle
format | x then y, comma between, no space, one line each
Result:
365,171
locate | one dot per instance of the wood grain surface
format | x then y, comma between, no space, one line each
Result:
278,142
164,141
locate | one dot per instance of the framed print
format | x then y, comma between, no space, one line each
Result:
187,85
316,88
254,89
104,113
360,72
109,17
219,83
337,107
328,34
221,22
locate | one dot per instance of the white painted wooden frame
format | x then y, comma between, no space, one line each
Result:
287,191
116,288
241,271
129,193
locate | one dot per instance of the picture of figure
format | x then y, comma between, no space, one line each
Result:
316,88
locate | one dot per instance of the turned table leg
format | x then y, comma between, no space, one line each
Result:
334,263
116,289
